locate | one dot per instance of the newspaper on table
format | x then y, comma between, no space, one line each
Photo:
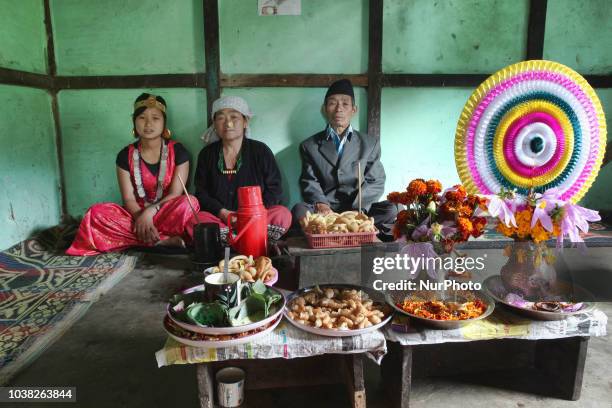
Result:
501,324
286,341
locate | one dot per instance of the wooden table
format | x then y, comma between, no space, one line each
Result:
279,373
504,350
557,365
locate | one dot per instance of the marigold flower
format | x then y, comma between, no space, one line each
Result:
433,186
417,187
466,211
394,197
403,217
464,227
458,193
478,224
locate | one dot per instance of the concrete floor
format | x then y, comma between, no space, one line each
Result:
109,356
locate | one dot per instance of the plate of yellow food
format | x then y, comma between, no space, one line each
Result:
337,310
249,269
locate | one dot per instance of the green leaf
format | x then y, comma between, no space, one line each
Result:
207,314
259,287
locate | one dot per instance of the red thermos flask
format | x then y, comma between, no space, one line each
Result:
252,224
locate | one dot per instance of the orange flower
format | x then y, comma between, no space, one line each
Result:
433,186
478,224
449,208
403,217
466,211
417,187
394,197
507,231
464,225
406,198
475,201
539,234
458,193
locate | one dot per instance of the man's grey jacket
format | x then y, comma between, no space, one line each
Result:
325,179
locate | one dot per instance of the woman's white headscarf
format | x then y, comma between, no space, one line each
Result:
227,102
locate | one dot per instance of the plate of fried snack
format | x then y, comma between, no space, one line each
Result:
553,301
337,310
250,269
334,223
447,310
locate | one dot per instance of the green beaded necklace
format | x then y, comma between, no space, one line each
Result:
221,163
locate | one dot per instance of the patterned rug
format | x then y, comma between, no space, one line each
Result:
43,292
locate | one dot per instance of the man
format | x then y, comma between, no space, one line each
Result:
330,162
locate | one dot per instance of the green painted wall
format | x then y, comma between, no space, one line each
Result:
418,133
23,44
122,37
329,37
97,124
284,117
29,186
451,36
579,35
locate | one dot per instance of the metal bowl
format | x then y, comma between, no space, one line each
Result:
377,297
495,287
399,296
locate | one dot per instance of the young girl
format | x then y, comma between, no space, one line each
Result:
154,212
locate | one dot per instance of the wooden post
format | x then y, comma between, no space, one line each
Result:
397,374
375,67
535,29
52,71
563,360
211,51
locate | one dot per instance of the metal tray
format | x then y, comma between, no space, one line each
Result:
495,287
198,293
465,295
372,294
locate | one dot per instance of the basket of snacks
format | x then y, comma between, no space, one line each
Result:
334,230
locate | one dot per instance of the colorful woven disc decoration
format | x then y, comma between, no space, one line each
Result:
532,125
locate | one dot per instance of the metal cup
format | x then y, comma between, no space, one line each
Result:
217,288
230,386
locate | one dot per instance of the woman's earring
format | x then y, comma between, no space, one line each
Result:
166,133
134,133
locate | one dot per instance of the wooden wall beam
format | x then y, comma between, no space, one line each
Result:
375,28
131,81
22,78
433,80
288,80
211,54
535,29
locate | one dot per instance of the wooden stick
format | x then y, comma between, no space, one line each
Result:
359,180
195,214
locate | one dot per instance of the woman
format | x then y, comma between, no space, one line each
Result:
154,210
233,160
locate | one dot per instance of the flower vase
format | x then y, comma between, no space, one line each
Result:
529,271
